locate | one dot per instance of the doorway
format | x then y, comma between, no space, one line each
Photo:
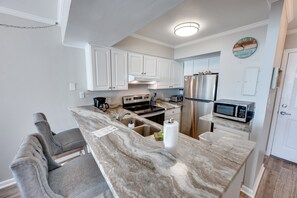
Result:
285,137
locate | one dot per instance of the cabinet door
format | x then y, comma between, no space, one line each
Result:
177,77
119,70
164,69
150,66
188,67
200,65
99,69
135,64
214,64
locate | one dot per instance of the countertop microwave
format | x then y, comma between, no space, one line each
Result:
242,111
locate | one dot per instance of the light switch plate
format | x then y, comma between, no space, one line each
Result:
72,86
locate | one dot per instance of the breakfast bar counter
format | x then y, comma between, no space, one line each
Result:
137,166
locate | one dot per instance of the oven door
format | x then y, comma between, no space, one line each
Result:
157,117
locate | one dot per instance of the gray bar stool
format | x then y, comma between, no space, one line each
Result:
60,144
38,175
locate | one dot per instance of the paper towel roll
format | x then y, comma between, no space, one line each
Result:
170,135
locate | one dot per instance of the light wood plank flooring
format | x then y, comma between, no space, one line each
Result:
10,192
279,181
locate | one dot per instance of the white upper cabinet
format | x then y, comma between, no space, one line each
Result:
98,68
135,64
150,66
170,73
177,78
164,73
106,69
200,65
142,65
119,70
214,64
189,67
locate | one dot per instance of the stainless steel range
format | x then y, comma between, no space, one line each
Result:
140,105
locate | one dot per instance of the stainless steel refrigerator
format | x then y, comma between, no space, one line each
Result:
199,95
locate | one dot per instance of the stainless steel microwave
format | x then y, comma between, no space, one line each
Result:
242,111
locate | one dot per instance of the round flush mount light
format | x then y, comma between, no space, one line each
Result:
186,29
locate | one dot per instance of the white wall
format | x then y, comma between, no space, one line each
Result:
291,41
35,72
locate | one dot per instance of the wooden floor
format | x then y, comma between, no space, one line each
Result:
279,181
10,192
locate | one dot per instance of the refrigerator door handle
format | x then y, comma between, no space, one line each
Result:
199,100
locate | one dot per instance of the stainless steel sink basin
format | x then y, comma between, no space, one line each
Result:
146,130
135,121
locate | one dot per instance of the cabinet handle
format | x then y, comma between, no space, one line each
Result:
113,87
144,73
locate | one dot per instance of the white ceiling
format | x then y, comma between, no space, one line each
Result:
107,21
214,16
40,10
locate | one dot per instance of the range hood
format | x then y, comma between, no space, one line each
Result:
142,79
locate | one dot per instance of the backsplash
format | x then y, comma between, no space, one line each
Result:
116,96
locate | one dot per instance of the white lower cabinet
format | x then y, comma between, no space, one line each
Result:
170,73
106,69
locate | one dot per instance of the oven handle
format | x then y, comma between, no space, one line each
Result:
152,114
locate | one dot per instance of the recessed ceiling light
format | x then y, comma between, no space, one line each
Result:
186,29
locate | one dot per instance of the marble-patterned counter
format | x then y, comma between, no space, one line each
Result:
246,127
168,105
137,166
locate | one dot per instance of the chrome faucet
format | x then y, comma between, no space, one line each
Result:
120,115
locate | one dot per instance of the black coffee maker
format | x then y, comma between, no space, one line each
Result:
100,103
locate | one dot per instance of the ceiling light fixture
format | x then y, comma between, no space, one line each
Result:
186,29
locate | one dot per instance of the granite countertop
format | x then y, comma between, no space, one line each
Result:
168,105
137,166
246,127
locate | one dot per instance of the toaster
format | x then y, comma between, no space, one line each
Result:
176,98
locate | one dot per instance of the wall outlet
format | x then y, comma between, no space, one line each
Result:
82,94
108,100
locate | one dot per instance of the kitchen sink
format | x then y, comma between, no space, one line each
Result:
146,130
135,121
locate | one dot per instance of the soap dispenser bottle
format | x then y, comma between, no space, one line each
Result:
153,99
131,125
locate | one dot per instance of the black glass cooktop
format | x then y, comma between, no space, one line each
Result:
144,109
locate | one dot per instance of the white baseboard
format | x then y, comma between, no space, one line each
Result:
6,183
252,192
258,179
246,190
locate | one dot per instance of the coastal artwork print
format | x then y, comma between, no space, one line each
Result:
245,47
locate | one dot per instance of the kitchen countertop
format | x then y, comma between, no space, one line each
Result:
168,105
137,166
246,127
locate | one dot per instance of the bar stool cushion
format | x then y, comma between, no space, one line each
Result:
70,139
86,179
38,175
